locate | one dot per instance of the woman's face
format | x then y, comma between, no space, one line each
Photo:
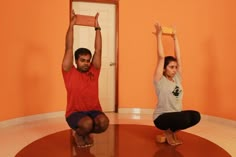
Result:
171,69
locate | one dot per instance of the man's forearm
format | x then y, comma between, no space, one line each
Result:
69,38
68,56
98,39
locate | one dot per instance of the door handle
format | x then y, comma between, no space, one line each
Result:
112,63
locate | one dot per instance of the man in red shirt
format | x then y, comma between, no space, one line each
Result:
83,113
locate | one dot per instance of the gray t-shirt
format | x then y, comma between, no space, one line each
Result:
169,95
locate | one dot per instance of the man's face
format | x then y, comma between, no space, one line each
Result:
83,63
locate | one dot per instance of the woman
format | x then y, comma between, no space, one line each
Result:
168,115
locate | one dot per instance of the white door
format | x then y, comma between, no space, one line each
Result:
84,37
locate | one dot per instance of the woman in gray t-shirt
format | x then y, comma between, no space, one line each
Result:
168,115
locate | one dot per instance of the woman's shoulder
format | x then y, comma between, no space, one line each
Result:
178,76
160,81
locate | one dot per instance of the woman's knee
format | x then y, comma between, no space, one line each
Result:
196,117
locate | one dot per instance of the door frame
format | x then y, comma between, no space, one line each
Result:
116,3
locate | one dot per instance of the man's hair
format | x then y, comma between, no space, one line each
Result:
169,59
82,51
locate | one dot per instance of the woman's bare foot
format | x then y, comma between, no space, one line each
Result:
170,138
178,141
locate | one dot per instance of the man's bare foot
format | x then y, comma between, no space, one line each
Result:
89,140
79,140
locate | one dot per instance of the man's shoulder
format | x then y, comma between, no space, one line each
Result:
94,69
68,72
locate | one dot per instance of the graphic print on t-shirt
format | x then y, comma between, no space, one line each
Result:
176,91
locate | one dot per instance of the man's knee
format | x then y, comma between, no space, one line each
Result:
101,123
85,125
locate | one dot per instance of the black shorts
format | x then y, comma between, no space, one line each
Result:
73,119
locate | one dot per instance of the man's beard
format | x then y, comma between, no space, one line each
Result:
83,68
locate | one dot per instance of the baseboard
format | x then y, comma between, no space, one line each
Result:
20,120
219,120
135,110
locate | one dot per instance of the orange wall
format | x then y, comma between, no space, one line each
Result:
32,45
207,34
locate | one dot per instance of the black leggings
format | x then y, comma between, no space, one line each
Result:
177,120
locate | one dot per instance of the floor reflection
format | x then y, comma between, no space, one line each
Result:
167,150
82,152
121,140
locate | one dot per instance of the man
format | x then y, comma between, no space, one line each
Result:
83,113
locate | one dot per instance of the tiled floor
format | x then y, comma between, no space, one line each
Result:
15,137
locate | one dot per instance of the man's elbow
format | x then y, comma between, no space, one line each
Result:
66,67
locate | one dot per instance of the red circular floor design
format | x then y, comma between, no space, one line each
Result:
122,140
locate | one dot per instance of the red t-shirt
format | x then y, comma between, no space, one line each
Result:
82,90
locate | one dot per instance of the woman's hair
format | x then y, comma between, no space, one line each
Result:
82,51
169,59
